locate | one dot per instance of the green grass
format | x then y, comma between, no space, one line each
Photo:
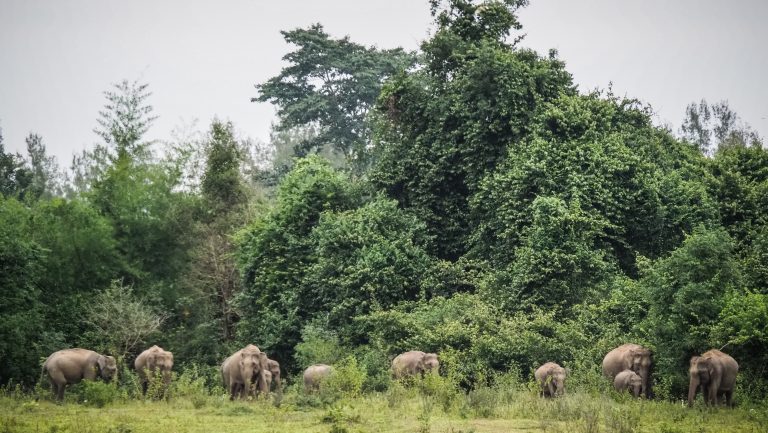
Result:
399,410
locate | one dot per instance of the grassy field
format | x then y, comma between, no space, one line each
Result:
395,411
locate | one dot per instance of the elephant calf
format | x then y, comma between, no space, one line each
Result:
715,372
628,380
314,375
414,363
630,357
551,378
70,366
151,362
274,368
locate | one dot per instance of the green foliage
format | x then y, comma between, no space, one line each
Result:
368,259
15,176
687,292
276,251
119,320
330,83
559,262
97,393
21,262
318,346
222,186
437,140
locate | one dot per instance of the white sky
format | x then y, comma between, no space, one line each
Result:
202,58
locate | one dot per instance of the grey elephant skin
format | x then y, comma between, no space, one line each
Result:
151,362
630,357
414,363
314,375
551,379
274,369
70,366
630,381
715,373
244,368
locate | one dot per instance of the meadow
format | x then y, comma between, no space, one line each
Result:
422,408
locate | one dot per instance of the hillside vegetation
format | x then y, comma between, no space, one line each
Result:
466,199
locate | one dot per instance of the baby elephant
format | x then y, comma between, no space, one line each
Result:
628,380
551,378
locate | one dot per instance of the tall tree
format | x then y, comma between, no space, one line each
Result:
125,119
15,176
713,126
45,170
444,127
331,84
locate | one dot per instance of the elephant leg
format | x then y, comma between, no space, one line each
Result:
232,391
729,398
60,391
144,386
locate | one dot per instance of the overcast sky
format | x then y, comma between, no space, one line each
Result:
202,58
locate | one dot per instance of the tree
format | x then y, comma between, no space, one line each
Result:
712,126
44,169
330,84
21,327
222,185
120,321
442,128
125,119
368,259
276,251
686,292
15,177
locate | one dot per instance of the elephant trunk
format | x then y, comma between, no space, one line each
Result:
692,390
646,378
262,383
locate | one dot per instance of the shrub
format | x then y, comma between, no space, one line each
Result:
98,394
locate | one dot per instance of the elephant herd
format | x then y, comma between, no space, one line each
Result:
629,366
249,372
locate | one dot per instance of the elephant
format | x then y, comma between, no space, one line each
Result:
70,366
551,378
315,374
630,357
244,368
268,379
628,380
152,361
716,373
274,368
414,363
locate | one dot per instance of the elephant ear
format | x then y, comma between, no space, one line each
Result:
101,362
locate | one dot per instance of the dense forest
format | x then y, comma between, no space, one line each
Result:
466,199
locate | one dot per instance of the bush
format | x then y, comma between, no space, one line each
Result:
98,394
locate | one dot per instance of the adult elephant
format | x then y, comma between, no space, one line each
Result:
715,372
70,366
316,374
244,368
274,368
414,363
151,362
551,379
629,357
630,381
